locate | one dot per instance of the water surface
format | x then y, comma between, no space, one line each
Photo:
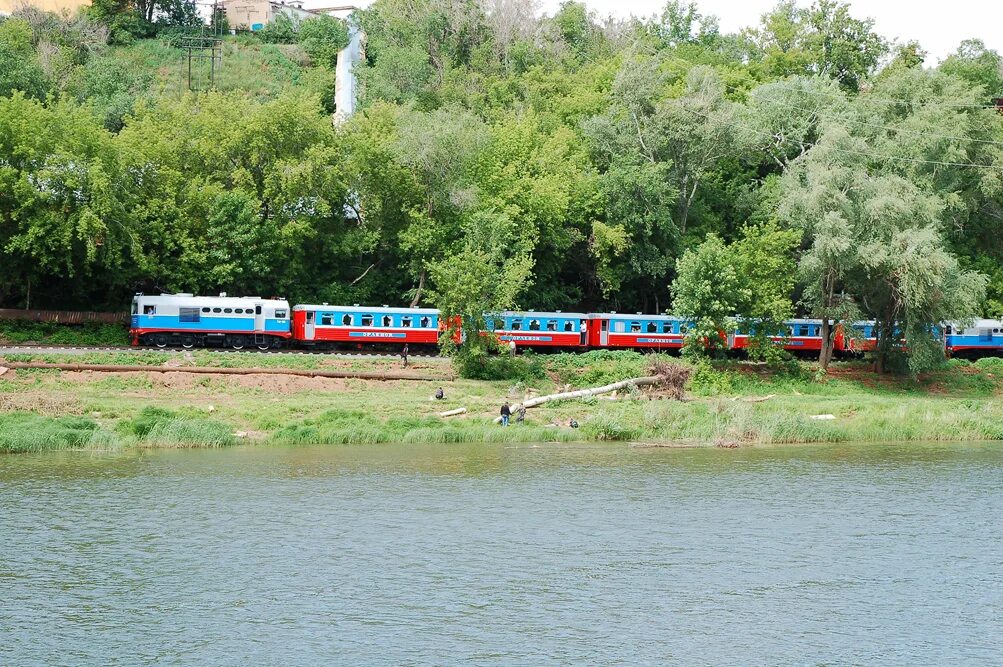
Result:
485,554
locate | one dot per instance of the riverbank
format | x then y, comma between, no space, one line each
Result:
727,405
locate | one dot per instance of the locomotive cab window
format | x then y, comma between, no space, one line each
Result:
652,327
279,314
347,320
569,326
326,319
367,320
425,322
551,325
149,310
387,321
189,315
407,322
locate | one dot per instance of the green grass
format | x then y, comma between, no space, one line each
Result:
21,432
728,404
17,332
261,70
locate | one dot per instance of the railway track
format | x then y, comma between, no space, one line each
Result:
83,349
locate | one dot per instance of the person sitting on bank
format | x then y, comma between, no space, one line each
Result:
439,394
506,412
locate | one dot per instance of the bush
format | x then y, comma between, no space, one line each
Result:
322,38
480,364
88,333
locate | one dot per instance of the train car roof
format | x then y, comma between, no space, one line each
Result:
539,314
366,309
635,316
190,298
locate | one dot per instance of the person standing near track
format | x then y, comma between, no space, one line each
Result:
404,356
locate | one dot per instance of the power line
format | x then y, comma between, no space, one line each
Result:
866,153
896,129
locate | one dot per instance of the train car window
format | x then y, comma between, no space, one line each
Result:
996,330
347,320
534,325
327,319
424,322
407,322
217,310
280,314
618,326
228,310
367,320
635,327
569,326
149,310
257,310
551,325
683,328
516,325
388,321
652,327
189,315
239,311
666,327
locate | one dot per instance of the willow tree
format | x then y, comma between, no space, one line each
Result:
874,247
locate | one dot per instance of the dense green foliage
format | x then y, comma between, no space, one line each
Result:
500,158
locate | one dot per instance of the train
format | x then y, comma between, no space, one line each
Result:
188,321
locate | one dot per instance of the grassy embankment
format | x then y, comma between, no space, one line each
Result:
45,409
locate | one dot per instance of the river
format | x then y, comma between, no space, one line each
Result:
491,554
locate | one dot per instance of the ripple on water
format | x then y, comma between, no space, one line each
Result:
491,554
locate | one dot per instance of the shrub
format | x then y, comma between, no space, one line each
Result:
606,427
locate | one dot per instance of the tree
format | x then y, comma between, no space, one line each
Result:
66,230
822,40
322,38
977,65
440,148
708,290
742,287
19,66
874,248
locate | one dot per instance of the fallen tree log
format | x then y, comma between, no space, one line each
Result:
121,368
583,393
451,413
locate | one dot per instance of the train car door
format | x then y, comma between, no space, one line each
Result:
259,317
604,332
584,328
308,325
